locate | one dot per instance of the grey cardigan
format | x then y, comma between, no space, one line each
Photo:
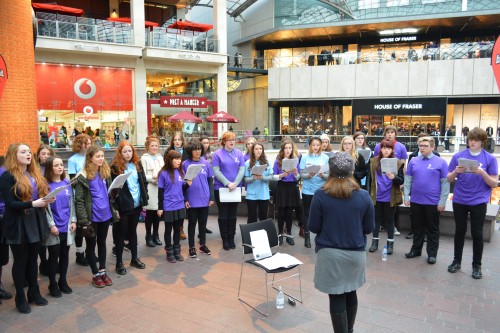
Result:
54,240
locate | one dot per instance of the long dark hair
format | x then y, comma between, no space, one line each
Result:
262,159
49,169
168,165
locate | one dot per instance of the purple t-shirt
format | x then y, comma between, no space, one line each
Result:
288,179
470,189
198,194
426,183
384,187
101,210
173,198
229,164
61,208
246,157
399,151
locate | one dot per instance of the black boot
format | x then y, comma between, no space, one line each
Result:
43,267
81,260
351,317
54,290
374,246
149,240
224,234
21,303
390,247
232,233
307,239
170,254
177,253
35,296
339,322
63,286
156,240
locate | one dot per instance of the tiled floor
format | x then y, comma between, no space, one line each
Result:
401,295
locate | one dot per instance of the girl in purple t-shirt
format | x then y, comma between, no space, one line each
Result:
384,189
171,202
94,210
62,222
199,196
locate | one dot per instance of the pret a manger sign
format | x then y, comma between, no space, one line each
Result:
183,102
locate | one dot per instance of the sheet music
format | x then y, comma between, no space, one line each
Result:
468,164
230,196
260,243
313,168
288,164
258,169
279,260
389,165
56,191
192,171
119,181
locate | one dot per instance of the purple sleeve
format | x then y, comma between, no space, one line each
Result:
453,163
276,168
444,169
376,150
242,160
184,166
210,172
216,159
492,166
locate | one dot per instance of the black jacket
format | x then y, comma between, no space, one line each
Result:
22,223
124,203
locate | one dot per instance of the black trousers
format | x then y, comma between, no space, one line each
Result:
59,257
227,216
126,228
285,216
384,212
152,220
197,215
25,265
306,203
167,236
257,210
101,233
425,220
477,216
446,144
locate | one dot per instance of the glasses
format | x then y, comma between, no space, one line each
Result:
347,143
197,149
423,146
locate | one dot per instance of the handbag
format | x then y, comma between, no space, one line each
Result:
85,231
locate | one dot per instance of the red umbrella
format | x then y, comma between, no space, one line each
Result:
191,26
184,116
148,24
221,117
47,7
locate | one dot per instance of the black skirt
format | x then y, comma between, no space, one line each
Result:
174,215
287,194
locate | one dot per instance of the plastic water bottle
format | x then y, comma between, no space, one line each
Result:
384,253
280,299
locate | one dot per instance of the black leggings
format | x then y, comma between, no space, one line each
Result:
126,228
285,216
257,209
339,303
176,225
200,216
101,233
24,265
58,252
152,220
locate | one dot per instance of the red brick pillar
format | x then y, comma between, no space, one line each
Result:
18,106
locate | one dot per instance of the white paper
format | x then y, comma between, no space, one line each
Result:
313,168
230,196
260,243
365,153
119,181
329,153
258,169
279,260
389,165
468,164
324,168
288,164
56,191
192,171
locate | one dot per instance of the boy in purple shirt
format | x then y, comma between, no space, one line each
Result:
471,195
426,181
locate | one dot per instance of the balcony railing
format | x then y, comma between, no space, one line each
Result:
162,37
82,28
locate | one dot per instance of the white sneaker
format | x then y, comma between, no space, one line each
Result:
396,232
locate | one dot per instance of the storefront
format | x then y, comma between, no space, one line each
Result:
74,97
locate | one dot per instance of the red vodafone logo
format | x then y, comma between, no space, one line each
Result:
85,88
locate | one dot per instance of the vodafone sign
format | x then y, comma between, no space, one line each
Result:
85,90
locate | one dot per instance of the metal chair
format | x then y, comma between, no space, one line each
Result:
272,235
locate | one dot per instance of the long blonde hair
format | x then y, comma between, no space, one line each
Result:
354,152
91,169
22,187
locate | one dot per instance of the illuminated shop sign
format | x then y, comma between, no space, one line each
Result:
399,106
398,39
183,102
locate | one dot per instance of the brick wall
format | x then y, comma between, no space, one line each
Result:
18,113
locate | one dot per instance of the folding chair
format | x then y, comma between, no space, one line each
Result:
272,235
